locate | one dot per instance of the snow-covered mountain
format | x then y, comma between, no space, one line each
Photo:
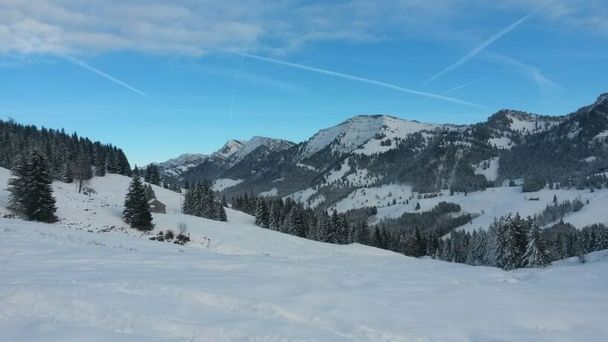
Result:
90,277
177,166
232,153
380,150
365,133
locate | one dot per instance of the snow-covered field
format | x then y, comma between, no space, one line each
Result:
73,282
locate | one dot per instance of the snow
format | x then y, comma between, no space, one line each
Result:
229,148
381,196
302,196
501,201
222,184
530,123
61,284
336,175
270,193
358,134
501,142
491,172
311,168
601,135
590,159
177,166
89,278
248,147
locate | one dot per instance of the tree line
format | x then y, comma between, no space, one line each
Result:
514,242
66,155
511,242
200,201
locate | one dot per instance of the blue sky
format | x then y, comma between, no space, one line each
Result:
185,76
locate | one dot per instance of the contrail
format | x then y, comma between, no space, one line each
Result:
463,86
86,66
359,79
479,48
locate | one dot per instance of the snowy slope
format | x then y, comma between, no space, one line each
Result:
91,278
61,284
360,134
501,201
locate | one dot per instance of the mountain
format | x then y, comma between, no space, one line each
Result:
367,152
175,167
234,155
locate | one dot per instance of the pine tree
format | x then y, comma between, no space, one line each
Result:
220,212
149,192
31,191
262,217
137,212
361,233
66,174
17,185
275,216
536,254
479,249
295,223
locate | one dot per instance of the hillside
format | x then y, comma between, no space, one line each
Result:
89,277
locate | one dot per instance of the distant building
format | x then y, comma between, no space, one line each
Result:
157,206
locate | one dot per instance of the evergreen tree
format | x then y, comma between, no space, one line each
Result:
31,191
66,174
275,216
149,192
137,212
17,185
536,254
361,233
262,216
479,249
220,212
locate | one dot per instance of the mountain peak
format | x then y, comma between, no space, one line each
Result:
363,133
229,148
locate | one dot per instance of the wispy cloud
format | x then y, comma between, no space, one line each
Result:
189,27
360,79
105,75
479,48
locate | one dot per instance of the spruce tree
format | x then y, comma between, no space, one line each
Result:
17,185
262,217
31,191
137,212
220,212
536,253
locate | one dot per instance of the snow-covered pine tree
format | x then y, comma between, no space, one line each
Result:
137,212
509,250
149,192
262,216
275,216
17,185
361,233
220,213
31,191
66,174
207,202
478,251
536,254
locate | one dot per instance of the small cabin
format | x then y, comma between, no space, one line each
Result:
157,206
